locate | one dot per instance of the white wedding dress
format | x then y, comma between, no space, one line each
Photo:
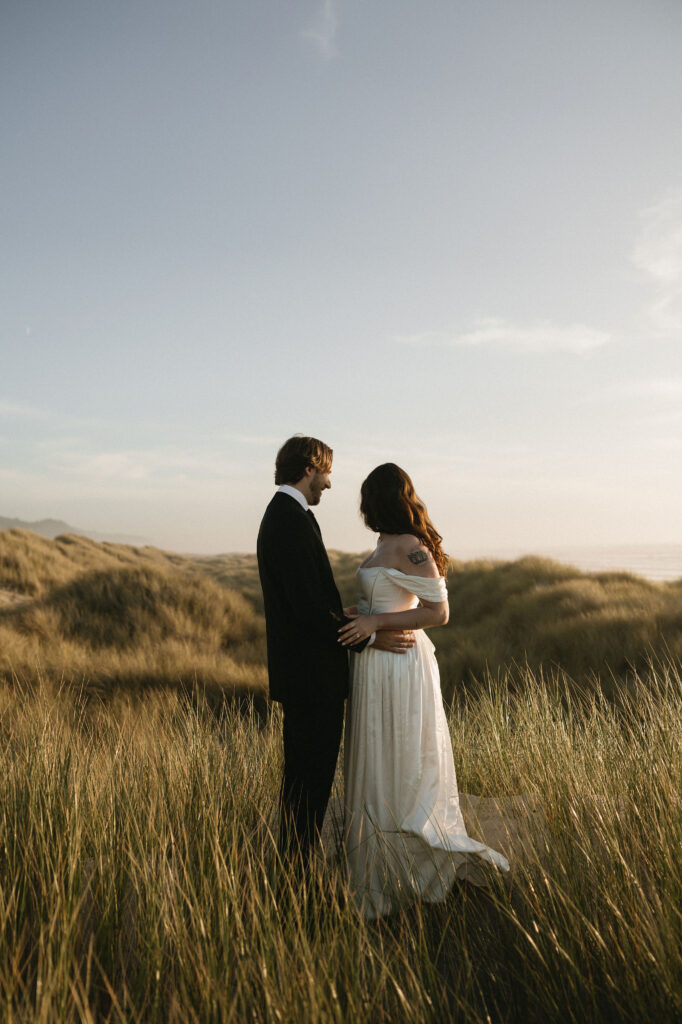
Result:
404,832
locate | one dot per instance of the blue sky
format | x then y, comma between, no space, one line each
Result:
443,234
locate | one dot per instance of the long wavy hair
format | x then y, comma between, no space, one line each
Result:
390,504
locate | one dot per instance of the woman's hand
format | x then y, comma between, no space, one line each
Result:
362,626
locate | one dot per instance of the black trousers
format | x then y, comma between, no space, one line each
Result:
312,736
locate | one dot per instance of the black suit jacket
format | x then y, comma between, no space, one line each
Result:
303,610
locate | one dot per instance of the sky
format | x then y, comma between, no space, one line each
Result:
444,234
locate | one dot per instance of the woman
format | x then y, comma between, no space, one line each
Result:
405,835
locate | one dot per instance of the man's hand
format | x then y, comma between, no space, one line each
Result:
395,641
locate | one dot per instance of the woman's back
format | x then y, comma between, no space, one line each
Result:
402,551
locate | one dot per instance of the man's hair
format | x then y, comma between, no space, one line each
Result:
297,454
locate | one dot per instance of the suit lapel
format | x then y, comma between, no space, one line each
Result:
315,523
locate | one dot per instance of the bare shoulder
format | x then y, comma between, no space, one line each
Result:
367,558
415,557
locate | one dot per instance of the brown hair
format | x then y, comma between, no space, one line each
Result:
390,504
297,454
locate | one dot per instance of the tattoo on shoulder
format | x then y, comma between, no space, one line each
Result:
418,557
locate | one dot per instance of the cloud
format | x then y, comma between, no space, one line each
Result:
656,388
66,469
20,411
141,465
57,420
543,336
658,253
322,33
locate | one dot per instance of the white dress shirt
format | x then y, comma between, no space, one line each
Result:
294,492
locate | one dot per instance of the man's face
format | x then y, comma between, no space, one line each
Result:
317,483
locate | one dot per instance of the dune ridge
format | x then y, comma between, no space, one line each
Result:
114,615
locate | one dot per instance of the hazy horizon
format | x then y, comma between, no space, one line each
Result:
659,561
448,237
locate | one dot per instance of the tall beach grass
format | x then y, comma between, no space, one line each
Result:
139,880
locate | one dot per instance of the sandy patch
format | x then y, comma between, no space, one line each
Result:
508,824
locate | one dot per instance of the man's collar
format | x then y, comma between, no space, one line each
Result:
294,492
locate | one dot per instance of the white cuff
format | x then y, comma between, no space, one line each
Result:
371,639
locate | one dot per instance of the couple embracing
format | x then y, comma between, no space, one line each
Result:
404,833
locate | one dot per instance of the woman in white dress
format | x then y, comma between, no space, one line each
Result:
404,831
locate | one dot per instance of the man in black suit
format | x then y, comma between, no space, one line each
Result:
307,666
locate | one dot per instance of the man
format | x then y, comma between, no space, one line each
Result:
307,666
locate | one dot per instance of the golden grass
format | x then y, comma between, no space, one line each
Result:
32,565
113,615
547,616
534,612
138,880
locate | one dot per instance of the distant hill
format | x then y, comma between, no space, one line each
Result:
135,617
111,617
52,528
